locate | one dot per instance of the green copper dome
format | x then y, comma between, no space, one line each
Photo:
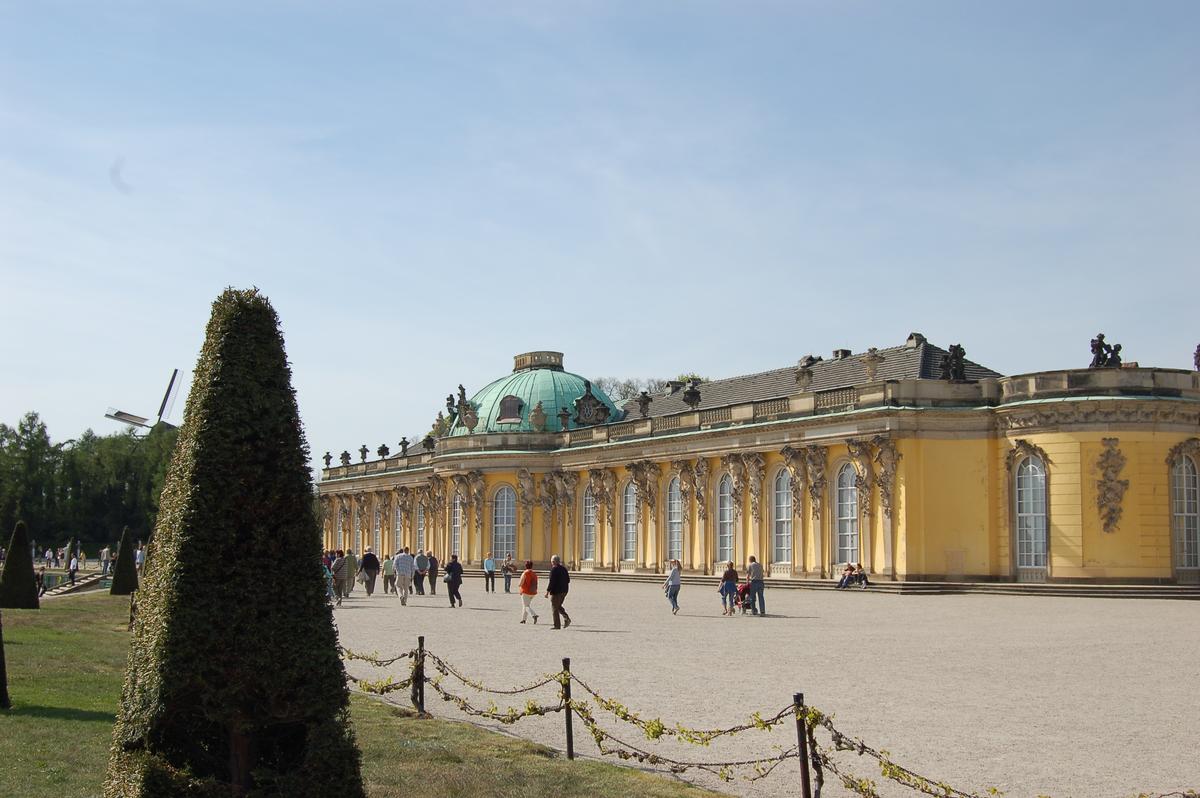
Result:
506,404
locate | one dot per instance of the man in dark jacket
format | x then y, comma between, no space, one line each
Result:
556,590
368,566
433,573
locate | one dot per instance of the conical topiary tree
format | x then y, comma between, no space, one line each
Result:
18,585
234,684
124,577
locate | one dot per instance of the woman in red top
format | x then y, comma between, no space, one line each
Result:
529,591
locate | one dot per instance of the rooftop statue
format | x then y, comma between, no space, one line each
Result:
1105,355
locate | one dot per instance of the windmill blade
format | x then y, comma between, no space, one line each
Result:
169,396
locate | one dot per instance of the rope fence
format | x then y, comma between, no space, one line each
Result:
815,758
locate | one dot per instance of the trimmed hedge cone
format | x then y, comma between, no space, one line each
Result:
18,585
234,684
125,578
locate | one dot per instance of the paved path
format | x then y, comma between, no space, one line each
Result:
1056,696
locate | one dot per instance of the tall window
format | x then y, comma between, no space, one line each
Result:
456,522
399,528
783,517
1031,513
341,526
504,523
629,519
589,525
674,521
357,534
1185,512
420,528
847,515
725,520
378,532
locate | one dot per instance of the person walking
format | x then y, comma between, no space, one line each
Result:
528,589
754,573
104,561
509,568
351,571
672,584
556,591
489,574
41,581
72,567
339,576
369,568
405,568
455,572
389,575
139,559
728,589
422,562
433,573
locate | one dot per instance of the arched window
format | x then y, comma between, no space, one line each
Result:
510,410
674,521
629,520
378,532
783,517
1031,513
504,523
357,534
399,526
456,522
589,525
725,520
847,515
1185,512
420,528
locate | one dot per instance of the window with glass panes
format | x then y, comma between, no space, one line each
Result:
504,523
629,521
589,525
420,544
783,517
847,515
674,521
1185,512
378,532
1031,513
357,534
399,524
725,519
456,522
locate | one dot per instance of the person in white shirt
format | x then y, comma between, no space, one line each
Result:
672,584
405,568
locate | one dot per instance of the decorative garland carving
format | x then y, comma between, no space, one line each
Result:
682,469
701,471
364,524
645,475
548,500
1190,447
756,469
1021,449
815,457
1090,414
732,463
864,474
888,459
1109,489
478,494
793,461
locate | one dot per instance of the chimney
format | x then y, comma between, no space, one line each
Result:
674,385
841,354
915,339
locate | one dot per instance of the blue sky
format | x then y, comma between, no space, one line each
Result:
424,190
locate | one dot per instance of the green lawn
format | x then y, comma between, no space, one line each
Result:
66,662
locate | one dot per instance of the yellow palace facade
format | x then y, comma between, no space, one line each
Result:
912,460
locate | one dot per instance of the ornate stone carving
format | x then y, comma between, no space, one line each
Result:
537,418
1196,359
643,402
345,458
1110,490
1089,413
682,469
756,468
469,418
691,397
383,451
363,452
793,461
564,419
1190,447
429,443
804,372
954,366
437,494
588,409
328,458
887,457
732,463
548,499
701,470
1021,449
871,361
864,473
1104,355
526,489
815,457
404,447
645,474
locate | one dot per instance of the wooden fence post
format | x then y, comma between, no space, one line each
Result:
566,695
802,741
421,674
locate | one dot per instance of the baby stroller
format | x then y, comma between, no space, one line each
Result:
745,600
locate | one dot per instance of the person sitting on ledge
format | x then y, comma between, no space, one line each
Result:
860,576
847,576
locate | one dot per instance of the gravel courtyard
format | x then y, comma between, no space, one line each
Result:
1036,696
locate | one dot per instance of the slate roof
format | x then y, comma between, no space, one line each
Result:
921,362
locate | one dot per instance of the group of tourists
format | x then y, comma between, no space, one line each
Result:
405,574
746,596
853,574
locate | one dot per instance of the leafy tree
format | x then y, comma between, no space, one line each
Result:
623,389
18,585
124,578
234,682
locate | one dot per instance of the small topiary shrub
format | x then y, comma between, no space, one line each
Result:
124,578
234,684
18,584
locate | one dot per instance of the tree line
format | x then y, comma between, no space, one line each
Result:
87,488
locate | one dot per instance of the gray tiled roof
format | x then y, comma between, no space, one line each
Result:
921,362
